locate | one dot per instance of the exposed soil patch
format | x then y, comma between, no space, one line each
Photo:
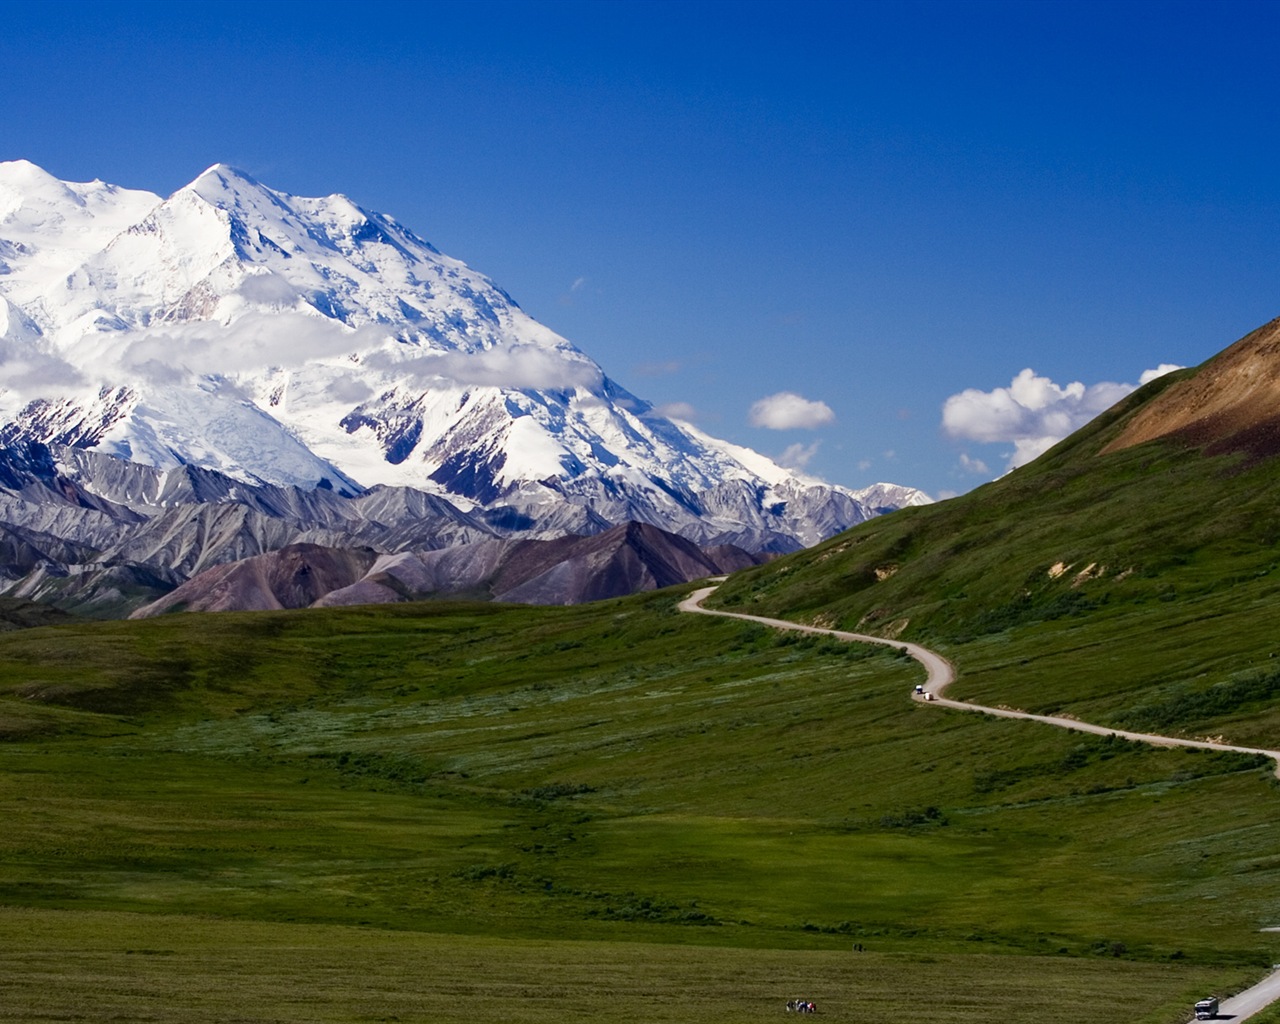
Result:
1231,405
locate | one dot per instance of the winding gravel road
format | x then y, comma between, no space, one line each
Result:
941,673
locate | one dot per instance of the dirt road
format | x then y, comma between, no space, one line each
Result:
941,674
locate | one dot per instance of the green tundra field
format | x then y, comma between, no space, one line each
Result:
436,811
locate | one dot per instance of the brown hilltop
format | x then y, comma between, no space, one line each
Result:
1232,403
292,577
626,559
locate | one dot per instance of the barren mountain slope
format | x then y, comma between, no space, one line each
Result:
569,570
292,577
1232,403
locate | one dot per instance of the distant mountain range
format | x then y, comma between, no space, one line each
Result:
231,370
571,570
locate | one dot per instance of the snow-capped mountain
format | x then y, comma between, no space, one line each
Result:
309,343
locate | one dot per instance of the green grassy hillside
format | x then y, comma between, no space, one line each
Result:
1135,588
662,789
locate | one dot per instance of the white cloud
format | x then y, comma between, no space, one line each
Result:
29,371
789,411
1033,413
173,353
1149,375
253,342
677,411
346,388
798,456
972,465
570,297
508,366
662,369
269,289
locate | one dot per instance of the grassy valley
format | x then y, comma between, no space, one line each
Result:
696,804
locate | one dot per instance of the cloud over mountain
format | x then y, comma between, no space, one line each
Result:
254,342
798,456
511,365
1033,413
788,411
30,370
677,411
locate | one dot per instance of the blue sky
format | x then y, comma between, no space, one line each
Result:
871,207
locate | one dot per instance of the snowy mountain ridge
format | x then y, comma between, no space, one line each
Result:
309,343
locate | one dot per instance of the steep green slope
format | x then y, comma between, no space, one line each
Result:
1135,587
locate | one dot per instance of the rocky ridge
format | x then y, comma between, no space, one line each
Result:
626,559
102,537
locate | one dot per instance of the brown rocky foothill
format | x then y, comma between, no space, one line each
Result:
623,560
1231,404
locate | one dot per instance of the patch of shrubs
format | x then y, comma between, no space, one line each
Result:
1090,751
810,643
557,790
1022,611
651,910
1185,704
1220,762
479,872
392,768
913,818
843,928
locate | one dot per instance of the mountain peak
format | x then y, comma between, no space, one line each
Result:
226,173
227,187
290,340
23,183
26,175
21,168
33,185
